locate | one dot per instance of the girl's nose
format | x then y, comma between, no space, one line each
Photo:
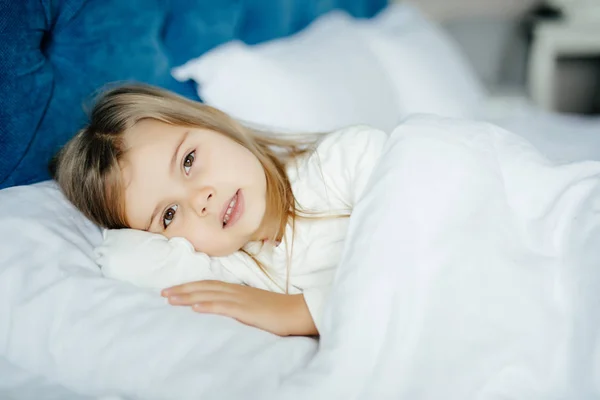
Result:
202,199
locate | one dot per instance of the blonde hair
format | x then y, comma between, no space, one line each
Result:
87,168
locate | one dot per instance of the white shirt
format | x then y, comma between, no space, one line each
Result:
328,183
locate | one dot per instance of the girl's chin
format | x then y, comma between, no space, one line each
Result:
225,251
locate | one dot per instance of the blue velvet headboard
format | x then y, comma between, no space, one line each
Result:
55,54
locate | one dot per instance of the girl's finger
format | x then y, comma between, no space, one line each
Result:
188,299
191,287
226,308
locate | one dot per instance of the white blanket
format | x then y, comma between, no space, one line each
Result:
470,272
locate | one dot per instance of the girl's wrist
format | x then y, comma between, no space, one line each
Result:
300,318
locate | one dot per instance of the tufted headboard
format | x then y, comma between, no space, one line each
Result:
54,55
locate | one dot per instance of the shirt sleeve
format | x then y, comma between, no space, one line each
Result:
315,299
345,160
153,261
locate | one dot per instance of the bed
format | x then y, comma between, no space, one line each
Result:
68,333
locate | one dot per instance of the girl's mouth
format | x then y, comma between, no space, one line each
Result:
232,210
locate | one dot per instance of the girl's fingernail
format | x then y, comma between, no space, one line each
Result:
174,298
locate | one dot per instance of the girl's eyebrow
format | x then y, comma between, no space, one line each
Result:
173,166
152,217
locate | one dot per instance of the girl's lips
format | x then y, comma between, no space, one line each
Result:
237,210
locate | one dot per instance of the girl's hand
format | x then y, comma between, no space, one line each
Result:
281,314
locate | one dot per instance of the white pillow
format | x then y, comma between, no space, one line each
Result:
65,328
427,69
341,71
320,79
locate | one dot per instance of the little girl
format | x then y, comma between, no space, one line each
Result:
152,160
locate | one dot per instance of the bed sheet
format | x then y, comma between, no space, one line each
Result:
561,137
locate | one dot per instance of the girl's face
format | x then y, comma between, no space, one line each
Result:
193,183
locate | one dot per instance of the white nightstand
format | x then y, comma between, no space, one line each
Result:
552,40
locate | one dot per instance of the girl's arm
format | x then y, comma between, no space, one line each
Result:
281,314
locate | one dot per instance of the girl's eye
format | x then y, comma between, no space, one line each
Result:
169,215
188,161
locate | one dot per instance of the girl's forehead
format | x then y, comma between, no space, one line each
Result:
149,130
145,178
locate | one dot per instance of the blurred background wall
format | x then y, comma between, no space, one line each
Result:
498,37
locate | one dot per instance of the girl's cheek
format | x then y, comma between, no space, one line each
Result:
199,239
